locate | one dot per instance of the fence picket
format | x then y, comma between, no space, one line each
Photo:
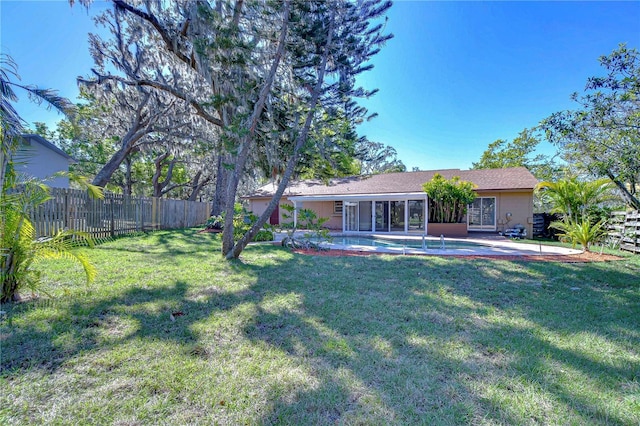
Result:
114,215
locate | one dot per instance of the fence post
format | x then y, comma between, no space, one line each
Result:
141,209
113,225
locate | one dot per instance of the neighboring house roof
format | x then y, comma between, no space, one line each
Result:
516,178
42,141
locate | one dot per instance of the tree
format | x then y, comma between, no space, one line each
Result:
375,157
603,136
232,62
575,199
342,43
517,153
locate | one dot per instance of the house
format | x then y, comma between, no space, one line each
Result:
396,202
37,157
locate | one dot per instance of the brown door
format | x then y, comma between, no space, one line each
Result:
275,216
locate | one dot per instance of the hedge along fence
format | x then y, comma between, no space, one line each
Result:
116,214
624,229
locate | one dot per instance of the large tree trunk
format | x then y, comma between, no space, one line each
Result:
300,141
128,141
128,180
197,185
241,159
222,181
104,175
626,194
159,187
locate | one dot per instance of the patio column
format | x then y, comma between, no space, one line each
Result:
373,216
406,216
426,215
295,214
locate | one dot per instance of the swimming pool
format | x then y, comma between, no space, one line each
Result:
429,243
400,244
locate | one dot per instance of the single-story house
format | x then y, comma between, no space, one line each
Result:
396,202
39,158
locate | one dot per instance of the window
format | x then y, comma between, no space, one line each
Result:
337,207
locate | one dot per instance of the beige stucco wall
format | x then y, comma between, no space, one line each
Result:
519,204
325,209
322,209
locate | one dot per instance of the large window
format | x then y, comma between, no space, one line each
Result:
482,214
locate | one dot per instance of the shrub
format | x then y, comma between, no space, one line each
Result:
582,232
308,220
242,222
20,251
264,235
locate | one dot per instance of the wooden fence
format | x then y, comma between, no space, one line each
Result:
624,230
114,215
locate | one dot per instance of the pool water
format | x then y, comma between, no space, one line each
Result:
406,243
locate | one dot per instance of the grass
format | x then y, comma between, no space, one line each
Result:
282,338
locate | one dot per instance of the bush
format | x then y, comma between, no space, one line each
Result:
264,235
243,220
20,251
582,232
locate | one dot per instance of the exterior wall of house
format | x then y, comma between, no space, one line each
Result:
519,204
322,209
41,162
325,209
258,205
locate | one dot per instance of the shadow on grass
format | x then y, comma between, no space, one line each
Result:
404,340
425,349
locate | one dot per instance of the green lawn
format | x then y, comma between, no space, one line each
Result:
284,338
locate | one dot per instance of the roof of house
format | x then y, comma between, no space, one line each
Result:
42,141
515,178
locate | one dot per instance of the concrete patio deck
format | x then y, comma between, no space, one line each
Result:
489,244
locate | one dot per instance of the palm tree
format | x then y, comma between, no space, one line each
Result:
19,250
572,198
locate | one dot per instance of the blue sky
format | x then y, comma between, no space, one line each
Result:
456,77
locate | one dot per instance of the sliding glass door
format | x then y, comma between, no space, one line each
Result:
364,216
350,216
382,216
482,214
416,215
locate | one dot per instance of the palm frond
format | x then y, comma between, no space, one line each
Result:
63,245
94,191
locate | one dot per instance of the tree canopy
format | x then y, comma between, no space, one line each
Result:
518,153
602,136
268,78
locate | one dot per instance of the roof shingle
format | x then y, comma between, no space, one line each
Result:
388,183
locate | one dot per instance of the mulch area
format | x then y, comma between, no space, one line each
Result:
585,257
